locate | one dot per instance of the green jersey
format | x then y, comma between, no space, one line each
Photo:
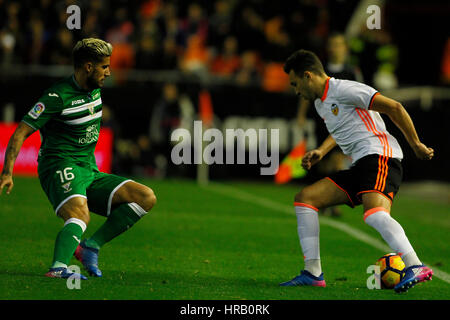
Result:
68,118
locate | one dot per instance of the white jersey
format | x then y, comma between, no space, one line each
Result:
358,131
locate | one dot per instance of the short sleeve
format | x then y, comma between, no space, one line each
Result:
49,105
358,94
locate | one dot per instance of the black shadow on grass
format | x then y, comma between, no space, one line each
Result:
21,273
168,278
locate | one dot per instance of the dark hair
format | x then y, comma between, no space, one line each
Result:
303,60
90,50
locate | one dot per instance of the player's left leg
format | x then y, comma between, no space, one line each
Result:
135,193
129,203
123,202
377,209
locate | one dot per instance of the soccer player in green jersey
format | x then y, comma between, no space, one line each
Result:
68,116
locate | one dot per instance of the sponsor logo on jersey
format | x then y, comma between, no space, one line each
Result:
77,101
335,109
37,110
91,135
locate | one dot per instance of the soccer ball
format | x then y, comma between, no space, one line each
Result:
391,270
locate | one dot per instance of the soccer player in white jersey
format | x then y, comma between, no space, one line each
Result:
351,112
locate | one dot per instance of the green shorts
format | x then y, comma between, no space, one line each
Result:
63,180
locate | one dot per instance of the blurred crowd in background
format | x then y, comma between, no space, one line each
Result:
243,41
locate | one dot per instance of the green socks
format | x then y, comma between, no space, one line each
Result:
67,241
120,220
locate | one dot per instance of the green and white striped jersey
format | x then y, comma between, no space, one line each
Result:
68,118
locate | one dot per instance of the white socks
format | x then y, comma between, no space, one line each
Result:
378,218
393,233
308,233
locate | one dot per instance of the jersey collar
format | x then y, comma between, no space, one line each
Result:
325,92
76,83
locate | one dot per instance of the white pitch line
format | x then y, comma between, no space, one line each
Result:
355,233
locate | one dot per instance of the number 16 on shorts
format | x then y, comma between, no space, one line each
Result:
66,176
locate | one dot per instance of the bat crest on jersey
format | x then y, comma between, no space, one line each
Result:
335,109
91,109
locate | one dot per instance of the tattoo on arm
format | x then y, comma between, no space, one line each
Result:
14,145
12,151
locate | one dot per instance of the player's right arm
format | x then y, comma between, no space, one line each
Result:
402,120
22,132
48,106
312,157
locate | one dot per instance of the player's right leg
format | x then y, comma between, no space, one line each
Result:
65,184
307,202
75,214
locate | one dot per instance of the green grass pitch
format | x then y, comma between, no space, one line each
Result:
201,244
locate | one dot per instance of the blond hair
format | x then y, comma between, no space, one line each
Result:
90,50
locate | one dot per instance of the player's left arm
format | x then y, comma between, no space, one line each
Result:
403,121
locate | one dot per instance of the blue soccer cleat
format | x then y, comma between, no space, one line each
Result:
305,279
63,273
89,258
412,276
